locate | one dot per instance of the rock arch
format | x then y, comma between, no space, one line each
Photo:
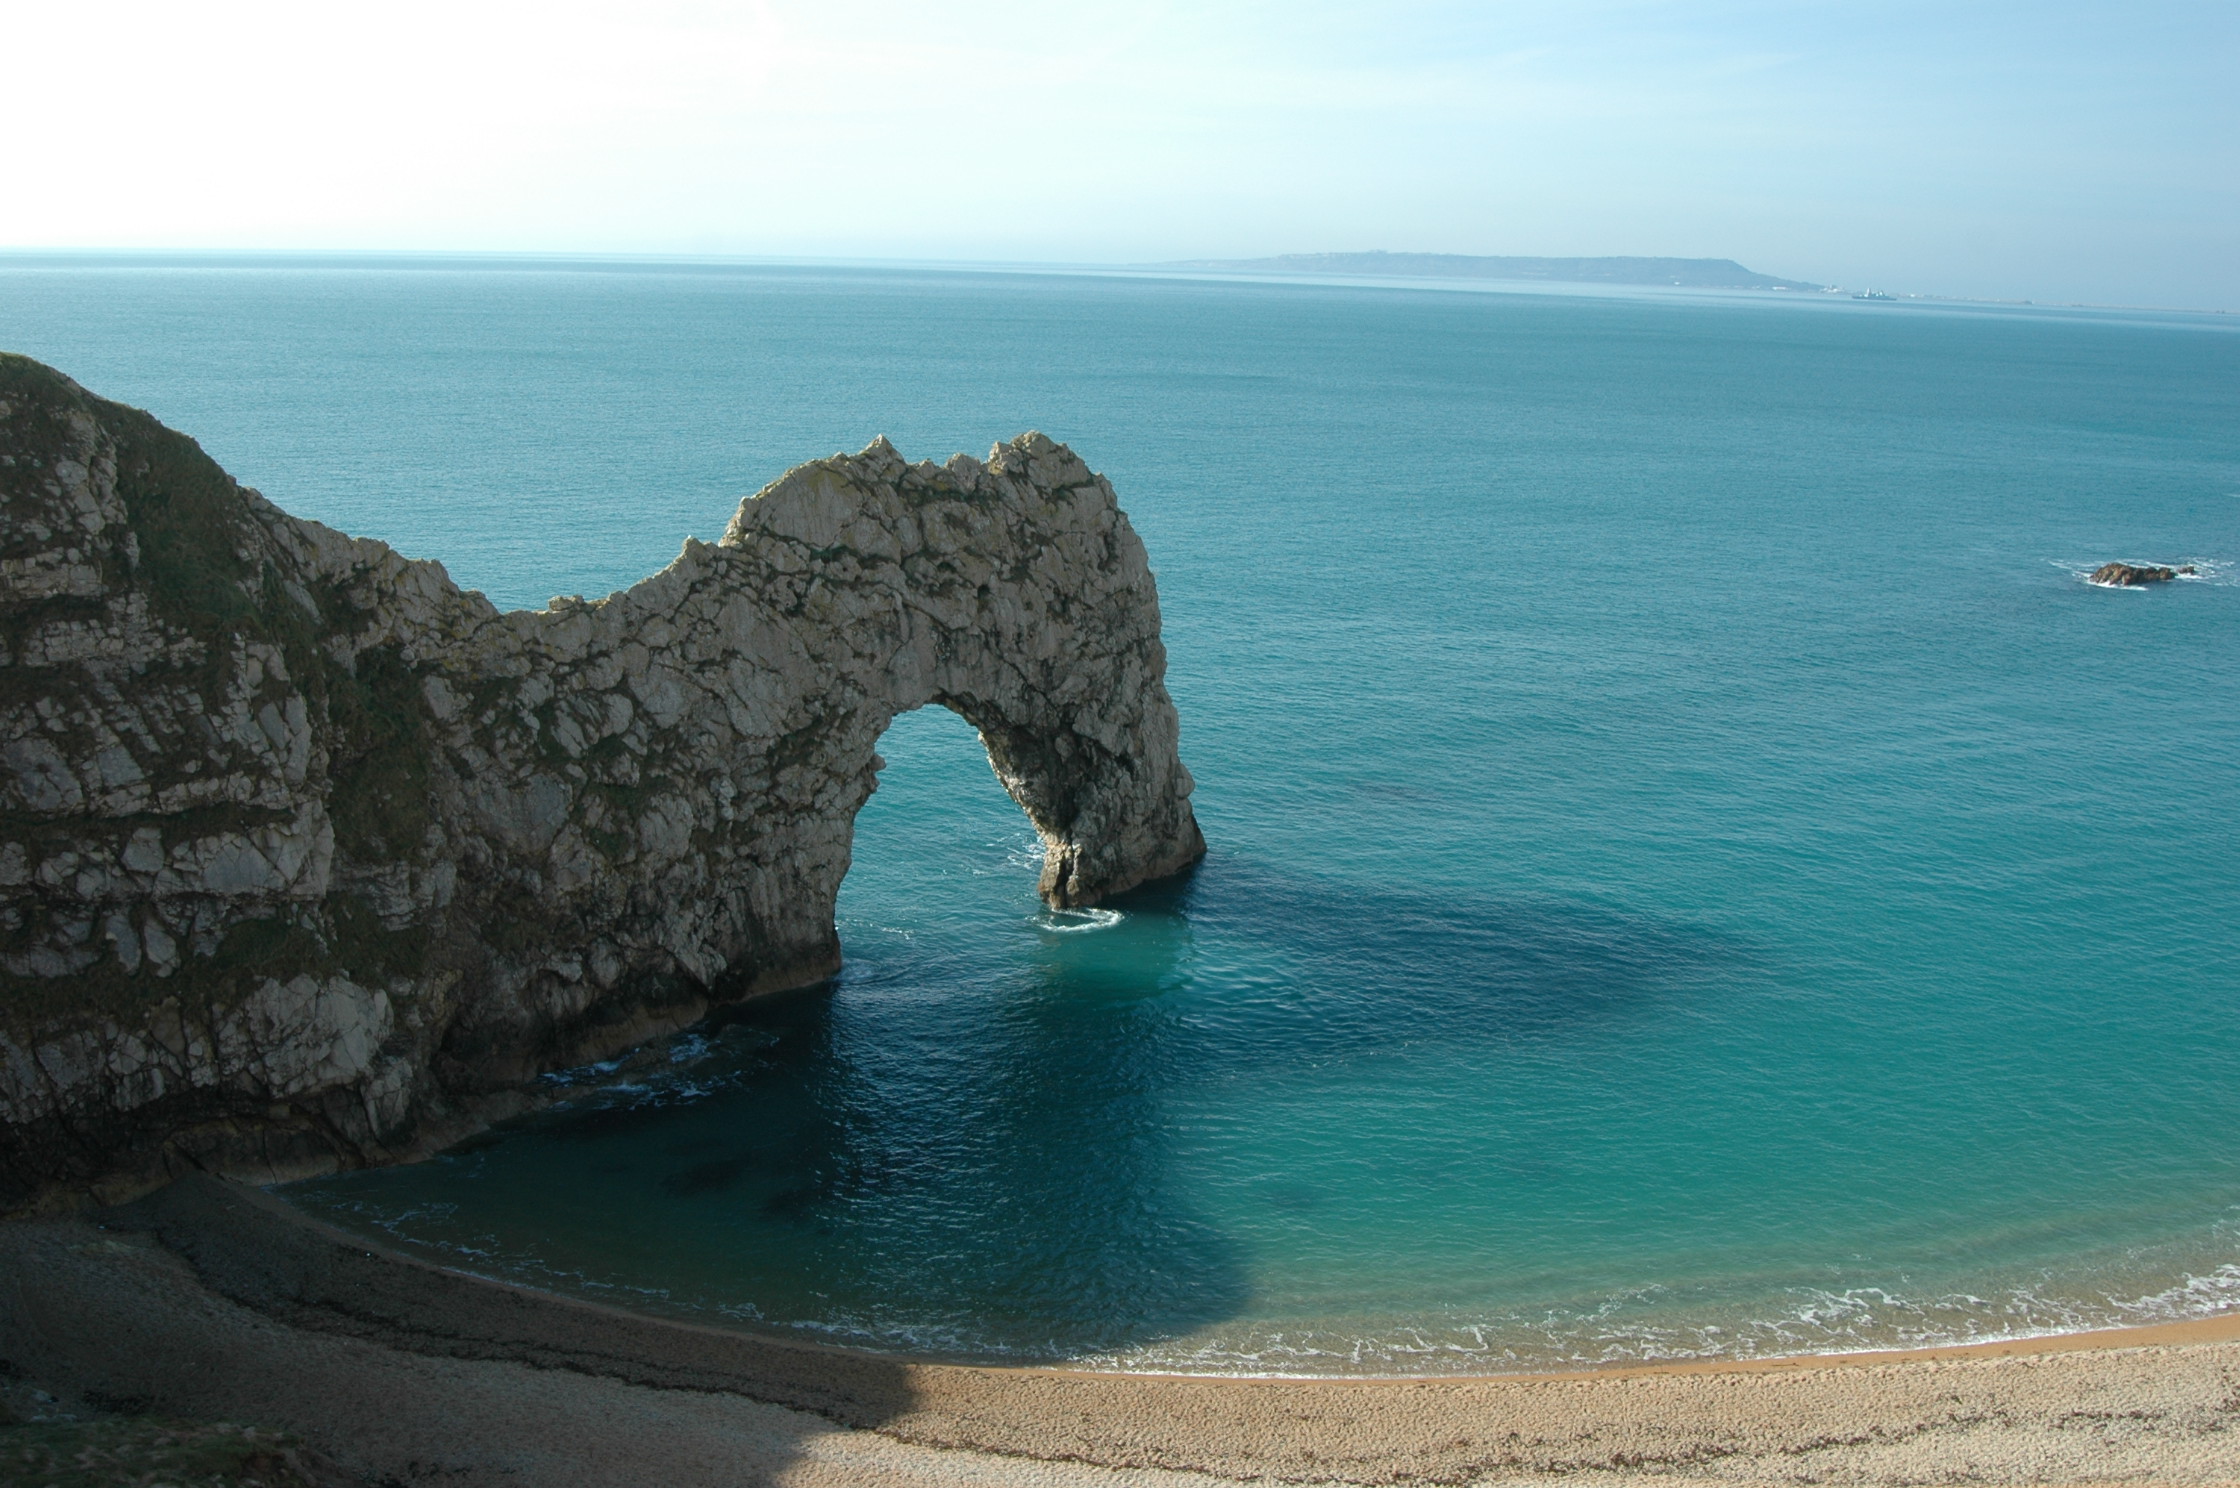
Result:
1014,593
310,858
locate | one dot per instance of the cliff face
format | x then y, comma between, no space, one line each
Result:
309,858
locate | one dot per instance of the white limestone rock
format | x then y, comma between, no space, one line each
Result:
308,857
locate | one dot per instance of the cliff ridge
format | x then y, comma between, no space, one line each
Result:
309,858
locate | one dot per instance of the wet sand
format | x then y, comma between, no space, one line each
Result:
218,1302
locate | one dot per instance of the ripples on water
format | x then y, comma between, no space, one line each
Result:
1695,870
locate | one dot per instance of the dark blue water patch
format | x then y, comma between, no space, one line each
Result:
931,1198
989,1170
1371,969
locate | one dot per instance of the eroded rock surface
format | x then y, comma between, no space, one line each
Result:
309,858
2135,575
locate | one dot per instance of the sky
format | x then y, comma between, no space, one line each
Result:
2050,151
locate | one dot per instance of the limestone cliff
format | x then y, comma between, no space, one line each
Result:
309,858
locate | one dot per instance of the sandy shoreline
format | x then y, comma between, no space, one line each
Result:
216,1301
2224,1328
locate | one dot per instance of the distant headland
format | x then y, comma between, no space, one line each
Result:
1687,273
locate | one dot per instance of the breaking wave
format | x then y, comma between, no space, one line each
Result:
1076,921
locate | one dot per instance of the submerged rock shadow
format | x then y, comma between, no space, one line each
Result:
980,1159
1365,970
873,1163
1001,1187
1019,1139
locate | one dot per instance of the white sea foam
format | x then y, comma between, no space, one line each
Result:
1818,1321
2218,571
584,1074
1638,1326
1075,921
2193,1297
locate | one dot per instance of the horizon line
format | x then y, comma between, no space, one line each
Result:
1195,269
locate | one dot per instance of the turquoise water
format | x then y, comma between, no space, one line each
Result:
1694,868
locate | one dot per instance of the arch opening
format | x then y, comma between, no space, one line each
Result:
938,844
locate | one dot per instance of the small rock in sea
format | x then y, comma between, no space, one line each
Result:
2133,575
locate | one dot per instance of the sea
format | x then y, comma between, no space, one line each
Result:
1695,869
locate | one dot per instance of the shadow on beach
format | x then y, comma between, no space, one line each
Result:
209,1302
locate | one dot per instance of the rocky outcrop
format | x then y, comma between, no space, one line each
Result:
2134,575
309,858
